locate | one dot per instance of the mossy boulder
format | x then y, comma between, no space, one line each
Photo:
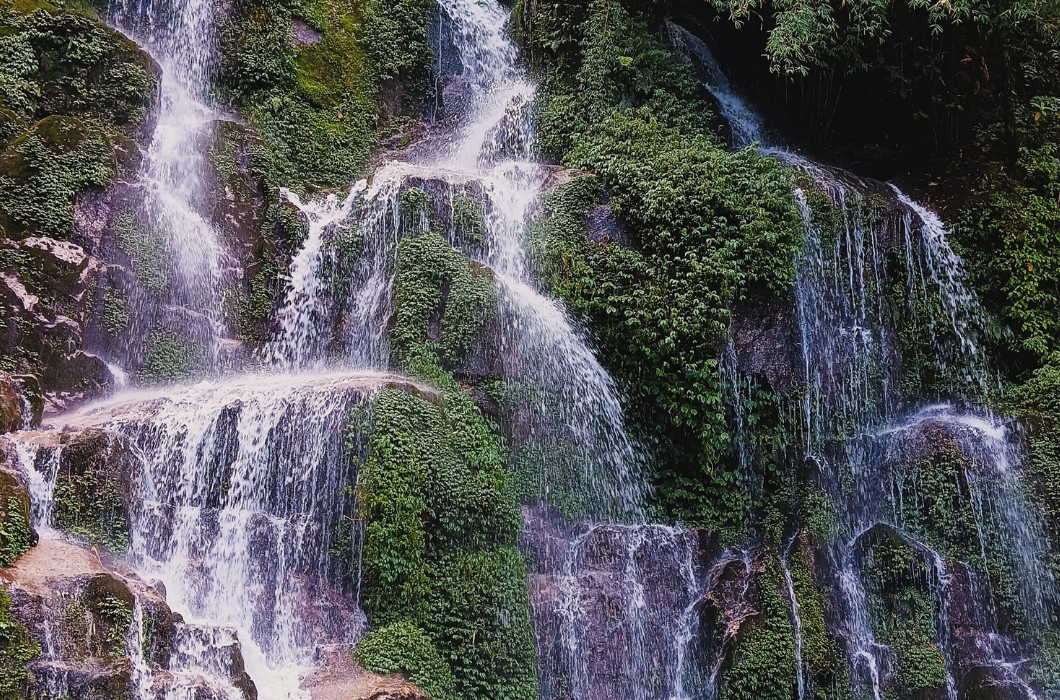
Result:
93,488
60,61
68,596
43,170
11,406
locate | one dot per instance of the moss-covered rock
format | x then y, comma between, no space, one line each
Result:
93,487
440,552
60,61
42,171
66,597
11,406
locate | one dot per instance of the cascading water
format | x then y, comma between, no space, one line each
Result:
242,489
302,318
859,421
180,38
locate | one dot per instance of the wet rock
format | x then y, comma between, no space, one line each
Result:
237,188
766,341
340,678
15,296
95,474
28,386
80,612
11,405
61,263
994,683
612,587
214,651
304,35
73,379
602,226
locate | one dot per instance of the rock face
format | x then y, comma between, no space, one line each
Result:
80,613
621,603
11,405
83,609
340,678
72,126
94,480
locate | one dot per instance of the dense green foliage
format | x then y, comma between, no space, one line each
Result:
72,92
404,648
88,491
15,534
1009,232
441,564
17,650
707,228
433,277
763,660
315,102
903,613
1037,403
440,546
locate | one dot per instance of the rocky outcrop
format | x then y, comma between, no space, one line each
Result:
12,407
82,609
340,678
80,613
95,479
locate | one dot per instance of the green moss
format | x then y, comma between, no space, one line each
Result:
762,663
115,312
16,537
17,650
146,247
42,171
88,501
404,648
440,545
441,302
469,221
171,357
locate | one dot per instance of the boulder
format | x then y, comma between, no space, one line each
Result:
11,405
60,262
80,611
340,678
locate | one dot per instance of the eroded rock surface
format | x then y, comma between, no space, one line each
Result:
340,678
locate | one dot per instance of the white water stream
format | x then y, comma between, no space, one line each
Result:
180,37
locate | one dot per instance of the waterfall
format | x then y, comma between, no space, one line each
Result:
860,426
747,127
180,38
244,495
796,622
617,610
302,318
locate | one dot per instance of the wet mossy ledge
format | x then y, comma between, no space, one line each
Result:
445,585
75,96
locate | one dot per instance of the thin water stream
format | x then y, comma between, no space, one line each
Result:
172,181
858,423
